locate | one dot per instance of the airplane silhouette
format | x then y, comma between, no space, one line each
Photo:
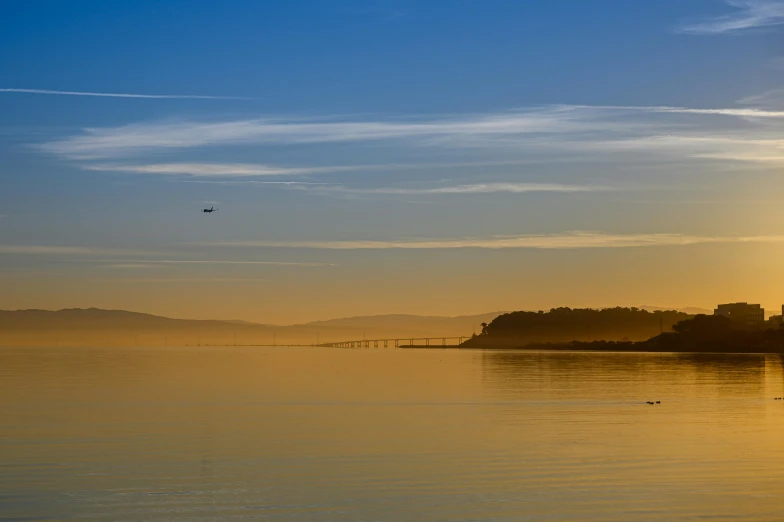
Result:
209,210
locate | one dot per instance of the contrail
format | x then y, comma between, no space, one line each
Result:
122,95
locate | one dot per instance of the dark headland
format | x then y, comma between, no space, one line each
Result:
627,329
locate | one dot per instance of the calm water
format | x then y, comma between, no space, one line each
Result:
388,435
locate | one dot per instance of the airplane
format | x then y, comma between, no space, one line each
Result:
209,210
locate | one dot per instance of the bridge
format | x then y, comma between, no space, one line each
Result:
423,342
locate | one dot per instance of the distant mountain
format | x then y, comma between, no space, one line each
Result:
695,311
403,324
691,310
239,321
95,326
75,318
391,326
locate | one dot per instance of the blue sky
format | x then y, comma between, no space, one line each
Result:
576,153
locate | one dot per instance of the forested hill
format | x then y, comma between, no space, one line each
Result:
518,329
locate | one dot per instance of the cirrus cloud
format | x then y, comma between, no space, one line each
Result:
749,14
570,240
466,189
118,95
553,133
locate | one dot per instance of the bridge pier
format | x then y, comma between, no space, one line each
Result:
397,343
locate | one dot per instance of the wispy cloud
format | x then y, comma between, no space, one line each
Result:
541,129
467,189
571,240
158,262
217,169
136,259
130,266
58,250
119,95
477,188
156,280
749,14
247,182
239,170
709,146
737,113
773,98
130,140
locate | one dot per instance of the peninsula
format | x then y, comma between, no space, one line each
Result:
620,329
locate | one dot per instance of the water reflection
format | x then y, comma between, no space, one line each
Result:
628,376
327,435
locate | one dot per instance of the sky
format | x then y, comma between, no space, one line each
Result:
390,156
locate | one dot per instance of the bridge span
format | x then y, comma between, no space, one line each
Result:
402,342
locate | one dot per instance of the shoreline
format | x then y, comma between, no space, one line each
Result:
589,350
